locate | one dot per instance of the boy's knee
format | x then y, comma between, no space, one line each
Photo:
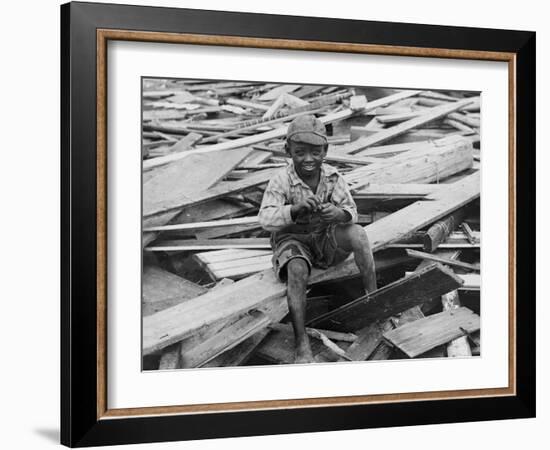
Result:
357,236
297,268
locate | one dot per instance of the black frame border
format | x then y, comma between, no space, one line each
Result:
79,423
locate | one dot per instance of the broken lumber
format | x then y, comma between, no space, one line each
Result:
182,179
459,347
370,344
435,280
209,224
278,90
239,354
213,193
423,165
403,127
472,282
368,339
449,262
183,245
440,230
422,335
231,336
196,352
395,191
334,335
246,104
162,289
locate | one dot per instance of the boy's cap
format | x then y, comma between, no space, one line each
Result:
307,129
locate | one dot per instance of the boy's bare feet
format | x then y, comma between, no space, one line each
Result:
303,354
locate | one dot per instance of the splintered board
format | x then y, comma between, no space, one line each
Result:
425,165
162,289
421,286
210,244
424,334
403,127
181,179
231,336
217,191
234,263
243,330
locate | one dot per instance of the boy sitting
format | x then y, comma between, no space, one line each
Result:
311,214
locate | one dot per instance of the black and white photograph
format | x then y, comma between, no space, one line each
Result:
299,223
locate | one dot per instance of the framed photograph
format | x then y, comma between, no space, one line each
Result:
279,224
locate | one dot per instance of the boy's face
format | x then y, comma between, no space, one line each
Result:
307,158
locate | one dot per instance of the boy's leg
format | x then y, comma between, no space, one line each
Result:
353,238
298,274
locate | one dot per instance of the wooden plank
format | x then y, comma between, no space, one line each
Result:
162,289
237,272
223,341
469,233
425,165
209,224
230,346
182,179
170,358
472,282
258,260
307,91
459,347
209,244
226,232
368,339
239,354
173,324
395,191
399,117
439,231
381,150
213,193
383,350
450,262
246,104
390,133
465,119
185,143
334,335
277,91
215,209
284,100
229,255
422,335
433,281
446,246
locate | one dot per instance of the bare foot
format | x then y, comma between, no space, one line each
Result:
303,354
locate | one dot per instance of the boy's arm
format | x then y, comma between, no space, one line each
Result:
274,213
341,197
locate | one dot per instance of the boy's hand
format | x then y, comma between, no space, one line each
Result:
332,214
310,204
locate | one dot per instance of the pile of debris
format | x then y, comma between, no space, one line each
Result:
210,297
